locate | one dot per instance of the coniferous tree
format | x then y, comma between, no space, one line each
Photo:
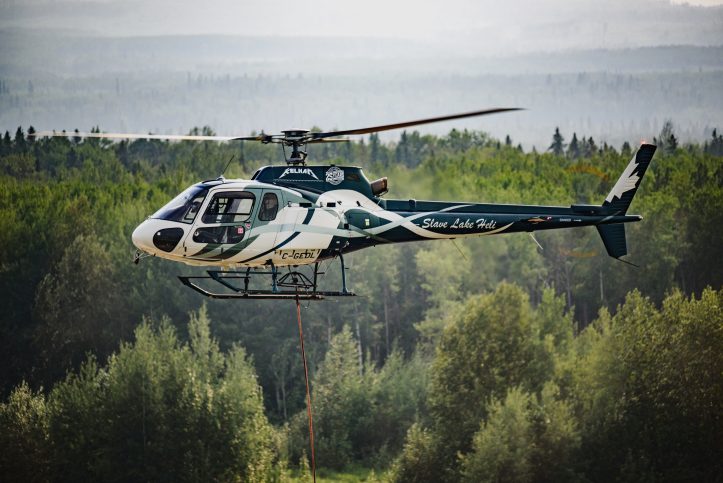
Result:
31,135
626,150
667,141
591,146
6,145
19,140
558,143
715,146
401,153
573,150
374,148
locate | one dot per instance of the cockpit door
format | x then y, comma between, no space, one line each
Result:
236,226
221,229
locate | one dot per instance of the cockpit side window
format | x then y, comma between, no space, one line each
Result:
193,209
229,207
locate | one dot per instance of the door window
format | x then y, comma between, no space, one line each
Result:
229,207
269,207
219,235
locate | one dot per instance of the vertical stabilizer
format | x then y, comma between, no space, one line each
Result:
620,197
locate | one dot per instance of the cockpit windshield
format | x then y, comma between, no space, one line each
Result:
183,207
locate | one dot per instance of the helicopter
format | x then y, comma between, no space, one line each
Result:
296,214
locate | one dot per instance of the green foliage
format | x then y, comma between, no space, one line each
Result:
349,399
554,321
556,437
24,447
71,319
648,390
501,450
340,404
494,343
440,262
102,191
18,165
397,393
489,348
524,439
162,410
420,458
636,396
642,384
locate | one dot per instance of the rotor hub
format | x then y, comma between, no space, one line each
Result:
295,133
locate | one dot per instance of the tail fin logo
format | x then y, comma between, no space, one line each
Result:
627,181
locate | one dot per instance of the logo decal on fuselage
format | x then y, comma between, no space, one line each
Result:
306,171
459,224
334,175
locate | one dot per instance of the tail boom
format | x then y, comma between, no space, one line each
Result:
413,220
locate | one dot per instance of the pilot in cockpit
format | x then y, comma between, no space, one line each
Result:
269,207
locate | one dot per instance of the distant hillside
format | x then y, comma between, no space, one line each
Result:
54,80
57,52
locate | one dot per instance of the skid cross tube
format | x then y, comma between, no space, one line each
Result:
236,284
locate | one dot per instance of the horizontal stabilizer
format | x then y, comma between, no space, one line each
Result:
613,236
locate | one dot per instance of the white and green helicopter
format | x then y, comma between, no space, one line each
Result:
296,214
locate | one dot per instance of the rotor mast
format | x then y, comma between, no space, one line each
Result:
295,138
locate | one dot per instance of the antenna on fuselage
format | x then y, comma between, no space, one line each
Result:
227,165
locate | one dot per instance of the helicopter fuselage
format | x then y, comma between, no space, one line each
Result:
297,216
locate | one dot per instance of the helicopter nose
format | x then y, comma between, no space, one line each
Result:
143,237
154,235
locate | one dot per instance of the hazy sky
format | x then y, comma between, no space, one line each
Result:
412,58
706,3
516,24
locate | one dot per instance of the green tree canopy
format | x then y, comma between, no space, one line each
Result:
162,410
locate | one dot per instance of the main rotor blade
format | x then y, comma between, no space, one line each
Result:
399,125
111,135
315,141
264,138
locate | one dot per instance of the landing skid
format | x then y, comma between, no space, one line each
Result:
291,285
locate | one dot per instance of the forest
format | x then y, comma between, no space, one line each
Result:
486,359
